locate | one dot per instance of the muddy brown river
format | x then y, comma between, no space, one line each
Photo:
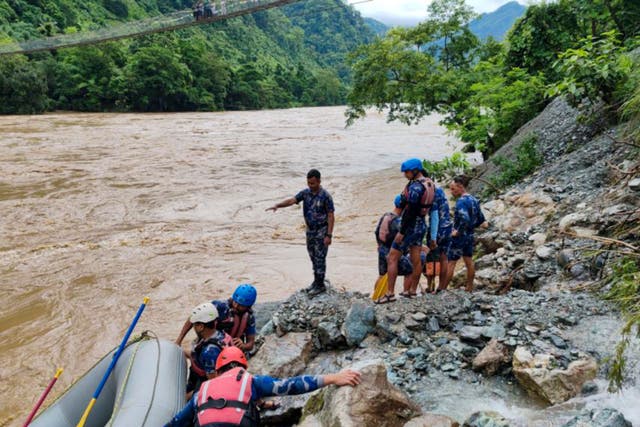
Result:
99,210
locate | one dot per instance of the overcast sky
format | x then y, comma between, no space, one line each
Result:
410,12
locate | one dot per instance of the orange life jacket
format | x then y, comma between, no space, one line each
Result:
225,401
427,197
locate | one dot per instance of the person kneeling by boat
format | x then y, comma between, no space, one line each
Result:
230,398
206,349
236,317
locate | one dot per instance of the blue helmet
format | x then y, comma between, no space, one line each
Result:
398,201
411,164
245,294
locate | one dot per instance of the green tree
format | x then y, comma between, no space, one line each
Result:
155,79
536,39
592,71
23,86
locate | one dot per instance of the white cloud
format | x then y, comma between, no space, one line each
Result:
410,12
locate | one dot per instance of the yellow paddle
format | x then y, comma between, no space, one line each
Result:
380,288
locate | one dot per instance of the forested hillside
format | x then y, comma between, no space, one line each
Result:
276,58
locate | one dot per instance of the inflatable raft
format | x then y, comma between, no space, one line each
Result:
146,388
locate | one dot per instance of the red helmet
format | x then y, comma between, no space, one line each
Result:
231,354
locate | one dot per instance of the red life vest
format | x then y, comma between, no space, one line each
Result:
239,325
227,341
427,197
225,401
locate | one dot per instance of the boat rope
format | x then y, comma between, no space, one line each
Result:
118,401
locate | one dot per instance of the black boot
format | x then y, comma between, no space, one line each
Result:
318,287
313,285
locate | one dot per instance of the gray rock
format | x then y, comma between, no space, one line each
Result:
329,335
412,324
514,332
405,339
606,417
558,342
360,322
434,325
416,352
578,270
441,341
589,388
634,184
419,316
544,252
532,329
486,419
472,334
494,331
448,367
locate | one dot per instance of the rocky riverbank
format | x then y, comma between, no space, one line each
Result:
532,337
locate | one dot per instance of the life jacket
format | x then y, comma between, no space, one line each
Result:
227,341
428,195
386,233
225,401
240,325
235,325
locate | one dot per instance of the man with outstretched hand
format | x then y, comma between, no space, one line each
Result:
230,398
318,213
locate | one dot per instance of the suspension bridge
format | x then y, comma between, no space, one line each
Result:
169,22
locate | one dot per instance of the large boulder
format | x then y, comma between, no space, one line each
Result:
537,375
486,419
284,356
375,402
432,420
599,418
491,358
360,322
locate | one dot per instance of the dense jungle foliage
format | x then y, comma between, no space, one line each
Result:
277,58
487,90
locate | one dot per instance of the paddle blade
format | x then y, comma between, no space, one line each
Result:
380,288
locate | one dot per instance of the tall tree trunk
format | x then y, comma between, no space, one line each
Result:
615,18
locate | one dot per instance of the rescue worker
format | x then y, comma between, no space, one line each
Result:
207,347
416,203
388,227
319,217
441,247
230,398
235,317
468,215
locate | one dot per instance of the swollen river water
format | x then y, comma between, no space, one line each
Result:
100,210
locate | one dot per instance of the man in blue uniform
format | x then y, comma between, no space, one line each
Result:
416,203
206,349
235,317
232,361
318,213
467,217
445,225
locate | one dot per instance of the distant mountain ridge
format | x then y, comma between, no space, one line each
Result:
496,24
379,28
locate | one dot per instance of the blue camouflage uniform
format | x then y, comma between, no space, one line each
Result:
467,217
445,224
205,354
413,225
316,209
225,318
262,386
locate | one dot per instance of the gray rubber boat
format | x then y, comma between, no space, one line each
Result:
146,388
